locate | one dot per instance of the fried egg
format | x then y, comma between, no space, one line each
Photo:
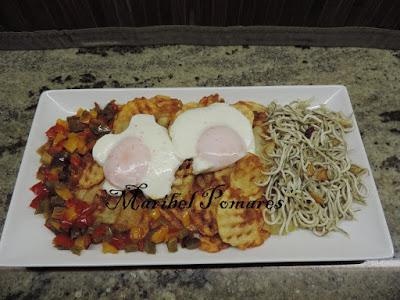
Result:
214,136
142,153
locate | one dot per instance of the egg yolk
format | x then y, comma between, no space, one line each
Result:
221,146
127,163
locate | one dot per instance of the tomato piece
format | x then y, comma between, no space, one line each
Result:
63,241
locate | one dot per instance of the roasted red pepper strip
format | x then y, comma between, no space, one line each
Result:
84,211
99,233
41,192
63,241
38,188
35,202
119,241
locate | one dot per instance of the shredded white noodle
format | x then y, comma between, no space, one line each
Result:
310,172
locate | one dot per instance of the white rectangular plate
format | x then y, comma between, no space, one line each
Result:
26,242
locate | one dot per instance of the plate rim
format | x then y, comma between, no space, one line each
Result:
389,251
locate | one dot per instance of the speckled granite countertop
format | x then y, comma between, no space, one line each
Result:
372,78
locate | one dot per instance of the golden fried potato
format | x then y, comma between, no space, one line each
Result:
183,182
247,172
183,215
255,112
88,195
128,218
92,174
245,110
212,244
208,100
187,106
163,108
107,215
173,221
203,181
204,219
222,177
264,147
203,102
240,227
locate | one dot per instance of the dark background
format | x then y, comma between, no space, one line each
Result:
31,15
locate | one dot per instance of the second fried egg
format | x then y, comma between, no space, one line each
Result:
215,137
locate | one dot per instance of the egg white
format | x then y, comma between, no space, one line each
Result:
189,125
163,163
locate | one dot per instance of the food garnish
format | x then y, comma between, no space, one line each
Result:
310,169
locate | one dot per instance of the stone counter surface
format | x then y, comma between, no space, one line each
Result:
373,81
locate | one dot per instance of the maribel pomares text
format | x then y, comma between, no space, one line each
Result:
128,198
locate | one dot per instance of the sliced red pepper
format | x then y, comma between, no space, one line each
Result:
41,192
84,220
65,225
85,212
63,241
35,202
38,188
119,241
86,217
100,232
